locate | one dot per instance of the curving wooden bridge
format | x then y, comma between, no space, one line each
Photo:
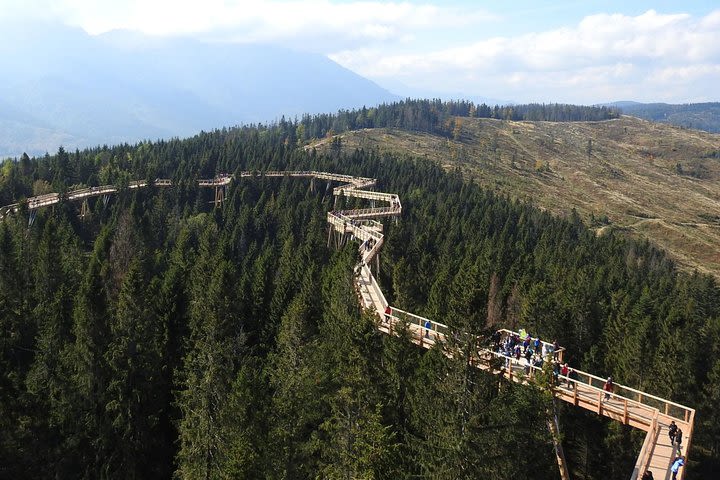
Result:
626,405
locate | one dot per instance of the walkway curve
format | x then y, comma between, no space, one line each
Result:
627,405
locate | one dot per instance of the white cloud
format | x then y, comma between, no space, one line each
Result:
570,64
309,22
685,73
434,47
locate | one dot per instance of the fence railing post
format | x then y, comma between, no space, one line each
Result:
575,394
625,411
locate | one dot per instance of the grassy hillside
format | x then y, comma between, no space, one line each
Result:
652,180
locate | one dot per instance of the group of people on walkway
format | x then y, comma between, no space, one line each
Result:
515,346
535,352
676,435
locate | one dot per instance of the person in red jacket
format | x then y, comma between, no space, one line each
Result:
564,371
608,387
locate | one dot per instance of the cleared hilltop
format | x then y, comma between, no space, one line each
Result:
653,180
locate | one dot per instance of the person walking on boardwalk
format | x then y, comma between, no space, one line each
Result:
564,371
573,379
388,312
679,462
495,338
678,438
647,476
608,387
672,431
428,327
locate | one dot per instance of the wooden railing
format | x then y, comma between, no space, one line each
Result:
643,461
626,404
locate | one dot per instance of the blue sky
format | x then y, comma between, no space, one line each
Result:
582,51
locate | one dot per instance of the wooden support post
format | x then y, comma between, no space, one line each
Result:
600,403
219,195
377,264
554,427
84,209
31,217
575,396
625,411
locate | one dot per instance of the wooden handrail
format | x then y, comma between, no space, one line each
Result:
643,462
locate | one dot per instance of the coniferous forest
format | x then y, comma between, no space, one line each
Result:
438,117
162,337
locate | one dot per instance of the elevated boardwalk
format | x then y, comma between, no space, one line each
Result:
625,404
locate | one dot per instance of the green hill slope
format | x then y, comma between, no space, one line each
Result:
652,180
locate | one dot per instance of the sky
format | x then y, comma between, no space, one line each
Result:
580,51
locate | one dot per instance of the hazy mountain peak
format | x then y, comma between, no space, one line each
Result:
126,86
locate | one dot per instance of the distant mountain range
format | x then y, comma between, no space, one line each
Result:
699,116
62,86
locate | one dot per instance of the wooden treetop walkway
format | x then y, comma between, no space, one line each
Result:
629,406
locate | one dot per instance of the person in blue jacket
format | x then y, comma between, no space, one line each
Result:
679,462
